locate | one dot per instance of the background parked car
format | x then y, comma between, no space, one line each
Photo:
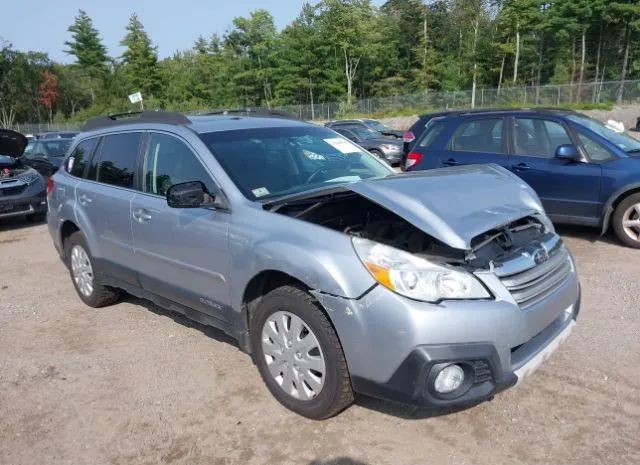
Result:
584,172
367,123
57,135
22,189
387,149
46,155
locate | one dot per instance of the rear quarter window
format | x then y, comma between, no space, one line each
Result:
79,158
431,133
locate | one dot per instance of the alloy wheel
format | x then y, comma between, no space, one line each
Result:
82,270
631,222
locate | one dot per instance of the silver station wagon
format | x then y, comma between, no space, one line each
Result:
336,274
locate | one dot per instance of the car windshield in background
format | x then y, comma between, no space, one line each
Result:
378,126
364,133
622,140
270,162
56,148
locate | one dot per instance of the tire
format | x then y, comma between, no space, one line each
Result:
336,393
377,153
98,295
628,211
37,217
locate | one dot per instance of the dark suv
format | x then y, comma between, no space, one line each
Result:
584,172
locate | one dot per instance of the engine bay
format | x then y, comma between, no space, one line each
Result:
355,215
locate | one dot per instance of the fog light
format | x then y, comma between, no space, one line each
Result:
449,379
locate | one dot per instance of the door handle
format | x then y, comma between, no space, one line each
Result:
521,167
84,200
451,162
141,215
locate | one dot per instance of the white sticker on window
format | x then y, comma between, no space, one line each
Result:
260,191
70,163
343,145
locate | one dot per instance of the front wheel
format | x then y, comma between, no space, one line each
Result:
626,221
299,355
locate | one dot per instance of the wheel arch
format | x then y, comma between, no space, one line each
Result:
260,285
67,228
614,201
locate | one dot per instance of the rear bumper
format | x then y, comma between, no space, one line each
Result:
412,383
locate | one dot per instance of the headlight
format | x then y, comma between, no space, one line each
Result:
415,277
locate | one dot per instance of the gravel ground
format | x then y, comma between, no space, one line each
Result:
134,384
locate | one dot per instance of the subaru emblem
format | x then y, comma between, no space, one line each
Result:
540,256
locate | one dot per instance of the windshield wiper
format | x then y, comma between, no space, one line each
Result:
634,150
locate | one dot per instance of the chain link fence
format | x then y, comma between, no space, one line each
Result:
522,96
422,102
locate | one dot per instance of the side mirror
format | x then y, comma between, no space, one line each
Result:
568,152
193,194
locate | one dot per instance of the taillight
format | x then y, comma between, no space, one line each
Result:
49,185
413,159
408,137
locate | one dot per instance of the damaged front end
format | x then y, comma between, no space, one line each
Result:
413,263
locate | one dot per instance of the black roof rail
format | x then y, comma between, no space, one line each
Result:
145,116
251,112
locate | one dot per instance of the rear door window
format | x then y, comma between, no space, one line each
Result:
480,135
79,158
538,137
116,164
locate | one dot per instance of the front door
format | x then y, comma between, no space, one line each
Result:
181,254
569,190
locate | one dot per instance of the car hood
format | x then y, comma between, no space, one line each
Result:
456,204
12,143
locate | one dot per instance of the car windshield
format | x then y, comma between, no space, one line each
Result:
378,126
56,148
363,133
621,139
271,162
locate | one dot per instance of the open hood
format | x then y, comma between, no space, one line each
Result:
456,204
12,143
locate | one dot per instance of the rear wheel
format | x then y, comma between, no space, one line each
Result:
626,221
85,276
299,355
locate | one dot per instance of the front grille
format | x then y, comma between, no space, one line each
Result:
13,190
533,285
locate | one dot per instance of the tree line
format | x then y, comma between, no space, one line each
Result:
335,50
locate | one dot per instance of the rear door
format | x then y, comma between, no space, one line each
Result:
476,140
103,202
182,254
569,190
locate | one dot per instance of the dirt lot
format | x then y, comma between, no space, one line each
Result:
133,384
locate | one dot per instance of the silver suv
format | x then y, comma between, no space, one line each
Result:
336,274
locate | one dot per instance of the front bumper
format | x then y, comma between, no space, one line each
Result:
23,205
394,345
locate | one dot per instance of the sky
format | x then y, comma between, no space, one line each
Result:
41,25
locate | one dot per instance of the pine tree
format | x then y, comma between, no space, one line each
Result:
86,46
140,59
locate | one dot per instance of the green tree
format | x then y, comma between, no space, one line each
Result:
86,46
140,60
